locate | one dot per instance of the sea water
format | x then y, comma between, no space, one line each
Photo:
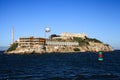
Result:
57,66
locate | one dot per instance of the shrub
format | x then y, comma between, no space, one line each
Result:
77,39
93,39
81,41
13,47
76,49
54,35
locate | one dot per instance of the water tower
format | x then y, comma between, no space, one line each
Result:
47,30
12,35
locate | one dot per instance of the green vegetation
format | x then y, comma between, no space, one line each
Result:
81,41
54,35
93,40
85,41
76,49
59,39
77,39
13,47
107,44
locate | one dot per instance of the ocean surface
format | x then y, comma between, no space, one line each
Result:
56,66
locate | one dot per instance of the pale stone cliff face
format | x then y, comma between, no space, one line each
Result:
93,47
86,48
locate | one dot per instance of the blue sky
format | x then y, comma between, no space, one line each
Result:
97,18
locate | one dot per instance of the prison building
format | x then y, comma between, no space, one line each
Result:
30,42
56,43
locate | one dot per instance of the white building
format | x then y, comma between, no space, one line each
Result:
60,43
67,34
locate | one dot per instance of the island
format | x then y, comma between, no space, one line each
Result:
65,42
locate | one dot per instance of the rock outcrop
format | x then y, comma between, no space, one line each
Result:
92,47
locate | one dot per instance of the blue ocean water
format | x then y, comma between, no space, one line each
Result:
56,66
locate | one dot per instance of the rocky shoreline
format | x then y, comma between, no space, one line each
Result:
63,49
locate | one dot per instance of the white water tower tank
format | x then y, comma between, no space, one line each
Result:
47,29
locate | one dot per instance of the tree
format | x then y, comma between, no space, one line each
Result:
13,47
76,49
54,35
81,41
94,40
